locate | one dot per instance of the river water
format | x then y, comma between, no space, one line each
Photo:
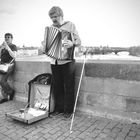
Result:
112,56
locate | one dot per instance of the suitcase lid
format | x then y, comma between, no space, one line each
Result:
39,92
39,96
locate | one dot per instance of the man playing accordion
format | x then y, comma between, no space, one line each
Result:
60,40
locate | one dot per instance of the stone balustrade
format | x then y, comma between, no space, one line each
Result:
109,88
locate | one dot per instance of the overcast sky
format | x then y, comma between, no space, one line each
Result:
99,22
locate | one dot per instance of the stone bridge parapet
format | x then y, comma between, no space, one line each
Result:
109,88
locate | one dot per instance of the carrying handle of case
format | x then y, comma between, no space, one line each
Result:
23,109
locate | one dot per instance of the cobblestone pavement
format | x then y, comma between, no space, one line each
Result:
57,128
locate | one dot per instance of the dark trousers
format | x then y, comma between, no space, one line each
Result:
63,86
6,89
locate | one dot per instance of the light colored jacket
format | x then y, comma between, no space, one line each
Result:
69,27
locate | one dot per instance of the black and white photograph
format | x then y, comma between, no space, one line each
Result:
69,69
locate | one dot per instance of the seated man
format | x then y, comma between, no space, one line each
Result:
7,55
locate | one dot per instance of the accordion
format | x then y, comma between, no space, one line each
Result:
54,44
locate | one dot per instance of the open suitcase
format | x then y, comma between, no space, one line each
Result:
38,105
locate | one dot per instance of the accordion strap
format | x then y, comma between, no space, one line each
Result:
72,37
12,61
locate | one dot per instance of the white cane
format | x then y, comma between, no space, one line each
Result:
77,94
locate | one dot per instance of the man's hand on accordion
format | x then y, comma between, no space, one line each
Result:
67,43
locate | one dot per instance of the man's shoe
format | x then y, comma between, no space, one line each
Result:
67,115
12,95
53,114
3,100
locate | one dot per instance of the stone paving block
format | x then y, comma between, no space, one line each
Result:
91,128
11,135
27,131
120,138
112,124
6,138
129,138
46,130
106,130
84,134
88,138
39,135
126,128
95,133
16,136
41,139
2,136
50,139
4,130
75,134
134,127
61,138
137,137
138,131
82,128
119,125
36,131
47,135
102,125
9,131
32,133
116,130
122,135
54,130
112,134
78,139
132,134
24,139
56,135
13,138
109,138
103,135
138,126
66,133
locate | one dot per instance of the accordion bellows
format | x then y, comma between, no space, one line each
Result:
54,44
